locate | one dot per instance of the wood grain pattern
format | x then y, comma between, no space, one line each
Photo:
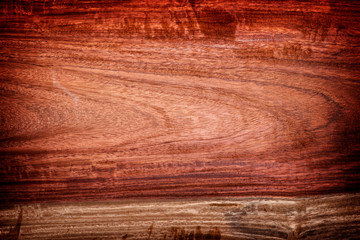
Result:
143,99
330,217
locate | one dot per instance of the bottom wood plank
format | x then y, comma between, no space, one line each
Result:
328,217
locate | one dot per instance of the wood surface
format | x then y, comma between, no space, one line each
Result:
178,99
330,217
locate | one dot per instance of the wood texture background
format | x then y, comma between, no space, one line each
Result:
111,100
335,217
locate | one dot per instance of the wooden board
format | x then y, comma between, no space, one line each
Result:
149,100
331,217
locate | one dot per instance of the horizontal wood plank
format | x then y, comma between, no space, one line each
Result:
330,217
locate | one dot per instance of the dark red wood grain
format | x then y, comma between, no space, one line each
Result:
166,99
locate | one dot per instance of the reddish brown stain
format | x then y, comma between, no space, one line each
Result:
216,23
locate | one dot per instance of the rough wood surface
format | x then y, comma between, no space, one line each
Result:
331,217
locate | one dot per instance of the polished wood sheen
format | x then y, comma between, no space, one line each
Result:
178,99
